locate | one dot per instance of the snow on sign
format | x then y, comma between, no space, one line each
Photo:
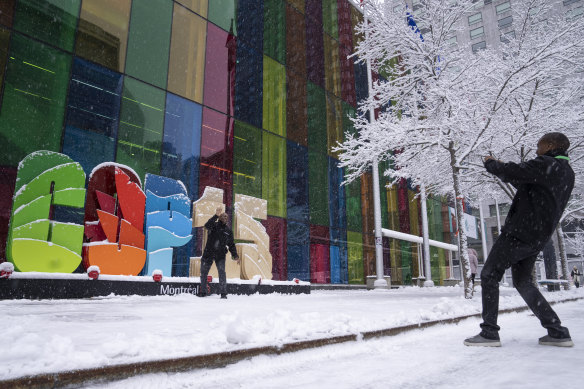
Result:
125,231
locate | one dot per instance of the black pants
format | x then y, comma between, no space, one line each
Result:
510,252
206,264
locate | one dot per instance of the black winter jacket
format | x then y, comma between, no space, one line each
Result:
220,237
544,185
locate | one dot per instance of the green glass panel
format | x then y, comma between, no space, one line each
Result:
355,257
332,66
275,29
348,112
4,43
318,188
223,13
274,97
353,198
51,21
141,123
274,173
34,99
406,264
334,123
329,18
247,160
316,101
298,4
383,195
149,41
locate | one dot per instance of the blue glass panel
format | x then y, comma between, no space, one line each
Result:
335,264
361,81
249,85
92,114
298,237
297,182
337,214
338,256
250,24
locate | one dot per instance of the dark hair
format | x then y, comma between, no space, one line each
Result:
557,140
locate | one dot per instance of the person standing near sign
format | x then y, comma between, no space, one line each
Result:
544,185
219,241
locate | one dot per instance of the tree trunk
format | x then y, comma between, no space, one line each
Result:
563,256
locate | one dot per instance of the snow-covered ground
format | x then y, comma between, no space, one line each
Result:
56,335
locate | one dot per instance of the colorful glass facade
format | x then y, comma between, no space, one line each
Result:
249,96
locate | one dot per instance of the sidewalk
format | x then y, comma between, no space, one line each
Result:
58,335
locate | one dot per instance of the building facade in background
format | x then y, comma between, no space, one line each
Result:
245,95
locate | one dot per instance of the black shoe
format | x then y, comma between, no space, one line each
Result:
223,296
560,342
478,340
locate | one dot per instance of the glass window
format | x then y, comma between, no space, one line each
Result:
276,229
334,123
505,22
149,41
297,182
503,7
318,188
50,21
296,111
315,50
477,32
356,19
568,2
33,106
7,12
295,41
347,76
217,153
140,133
187,54
332,66
249,85
478,46
320,270
275,30
247,160
316,103
102,34
4,44
274,97
298,250
505,37
199,6
329,18
338,219
355,257
574,13
222,13
475,18
298,4
353,199
451,40
219,70
274,173
250,24
181,147
93,109
361,90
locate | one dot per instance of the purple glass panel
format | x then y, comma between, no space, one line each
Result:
314,42
219,82
276,229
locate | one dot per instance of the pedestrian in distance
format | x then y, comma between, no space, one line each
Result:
543,185
474,264
219,241
576,276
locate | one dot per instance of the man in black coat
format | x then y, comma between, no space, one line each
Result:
219,239
544,185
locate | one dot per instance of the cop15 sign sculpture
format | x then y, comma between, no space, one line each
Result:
126,229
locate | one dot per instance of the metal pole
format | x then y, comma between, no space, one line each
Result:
380,281
426,238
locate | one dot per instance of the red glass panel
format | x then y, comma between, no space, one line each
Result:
403,206
320,269
276,229
7,184
219,70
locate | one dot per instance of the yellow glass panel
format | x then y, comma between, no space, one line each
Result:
274,97
187,54
102,35
332,65
198,6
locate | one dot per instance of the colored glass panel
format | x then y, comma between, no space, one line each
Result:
316,101
318,188
329,18
353,198
7,12
295,41
102,34
319,254
274,97
274,174
332,66
247,160
382,167
222,13
7,185
199,6
141,123
361,91
276,229
297,182
334,123
187,54
250,24
217,154
33,105
345,49
275,29
314,43
344,23
93,108
355,257
296,110
51,21
367,203
149,41
248,85
182,142
298,4
298,250
4,44
219,70
356,19
337,217
338,256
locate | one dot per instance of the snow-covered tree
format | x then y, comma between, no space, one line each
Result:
448,108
